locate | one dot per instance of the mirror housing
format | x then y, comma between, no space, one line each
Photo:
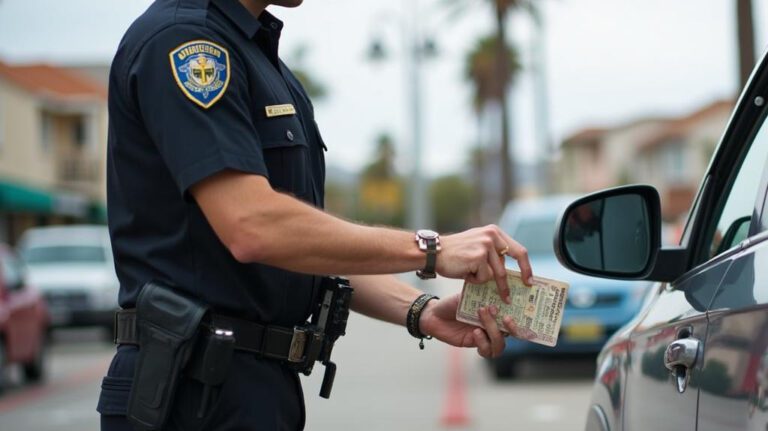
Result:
615,233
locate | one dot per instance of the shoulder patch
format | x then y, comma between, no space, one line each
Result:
201,69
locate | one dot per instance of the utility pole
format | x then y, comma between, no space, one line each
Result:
417,48
418,208
546,148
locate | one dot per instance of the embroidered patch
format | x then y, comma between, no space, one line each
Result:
201,68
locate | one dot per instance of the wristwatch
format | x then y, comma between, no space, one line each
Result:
429,243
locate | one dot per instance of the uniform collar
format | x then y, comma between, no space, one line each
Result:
246,22
271,22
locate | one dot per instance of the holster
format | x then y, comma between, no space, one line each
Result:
167,324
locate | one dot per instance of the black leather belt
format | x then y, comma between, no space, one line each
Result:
269,341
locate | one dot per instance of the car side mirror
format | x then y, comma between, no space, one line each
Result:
614,233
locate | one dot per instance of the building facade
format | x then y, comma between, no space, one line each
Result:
53,129
670,153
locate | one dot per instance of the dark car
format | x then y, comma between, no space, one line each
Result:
23,321
696,356
596,307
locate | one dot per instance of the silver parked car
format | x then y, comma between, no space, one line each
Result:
72,266
696,356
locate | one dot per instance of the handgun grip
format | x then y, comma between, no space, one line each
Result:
327,385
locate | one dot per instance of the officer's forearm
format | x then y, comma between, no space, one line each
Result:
258,224
382,297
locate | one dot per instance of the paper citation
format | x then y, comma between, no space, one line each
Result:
537,310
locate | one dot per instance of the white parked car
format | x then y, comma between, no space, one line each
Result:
72,266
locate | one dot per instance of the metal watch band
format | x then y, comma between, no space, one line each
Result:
428,271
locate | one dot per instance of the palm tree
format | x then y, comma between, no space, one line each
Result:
503,74
481,69
746,33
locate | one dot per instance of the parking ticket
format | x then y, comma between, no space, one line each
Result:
537,310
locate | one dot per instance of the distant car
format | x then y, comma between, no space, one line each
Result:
696,355
73,268
595,308
23,321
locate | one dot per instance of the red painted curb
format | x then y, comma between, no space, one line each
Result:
455,408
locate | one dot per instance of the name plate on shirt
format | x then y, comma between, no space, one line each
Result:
280,110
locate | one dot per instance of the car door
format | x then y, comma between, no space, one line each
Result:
23,323
654,399
733,381
679,321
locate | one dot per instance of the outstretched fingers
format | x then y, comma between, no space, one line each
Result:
496,263
520,254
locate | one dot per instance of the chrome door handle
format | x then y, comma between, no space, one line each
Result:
682,353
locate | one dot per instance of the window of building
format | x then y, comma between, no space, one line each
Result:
79,132
46,130
673,162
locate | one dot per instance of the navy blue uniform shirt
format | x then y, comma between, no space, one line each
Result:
196,88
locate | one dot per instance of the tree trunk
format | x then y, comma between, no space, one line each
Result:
502,72
745,28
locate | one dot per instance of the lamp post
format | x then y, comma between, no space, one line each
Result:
417,49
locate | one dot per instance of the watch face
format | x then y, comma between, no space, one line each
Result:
427,234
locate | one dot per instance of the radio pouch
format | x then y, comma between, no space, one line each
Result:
167,324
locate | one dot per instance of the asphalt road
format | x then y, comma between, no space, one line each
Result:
384,382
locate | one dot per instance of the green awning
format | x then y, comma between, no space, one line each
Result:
97,213
21,198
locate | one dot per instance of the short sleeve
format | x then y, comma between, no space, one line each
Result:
192,92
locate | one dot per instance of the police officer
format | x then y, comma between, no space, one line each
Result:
215,187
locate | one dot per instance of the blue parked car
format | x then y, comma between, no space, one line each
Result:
596,307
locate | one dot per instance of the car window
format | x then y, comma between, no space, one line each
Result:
64,254
12,272
740,198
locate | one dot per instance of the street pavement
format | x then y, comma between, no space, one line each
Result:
384,382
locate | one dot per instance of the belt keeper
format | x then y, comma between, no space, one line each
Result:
296,353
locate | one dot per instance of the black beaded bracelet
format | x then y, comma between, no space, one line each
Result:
414,315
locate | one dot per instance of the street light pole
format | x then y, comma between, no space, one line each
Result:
418,209
416,49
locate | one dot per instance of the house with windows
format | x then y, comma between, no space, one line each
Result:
675,157
53,129
670,153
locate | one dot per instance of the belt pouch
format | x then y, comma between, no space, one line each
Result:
167,323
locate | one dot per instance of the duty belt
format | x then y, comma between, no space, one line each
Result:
274,342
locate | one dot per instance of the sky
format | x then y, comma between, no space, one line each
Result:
606,62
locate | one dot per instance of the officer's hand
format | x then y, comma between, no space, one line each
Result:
473,255
439,321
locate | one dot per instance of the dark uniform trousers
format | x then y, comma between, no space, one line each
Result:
253,397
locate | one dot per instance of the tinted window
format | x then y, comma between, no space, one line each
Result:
740,197
64,254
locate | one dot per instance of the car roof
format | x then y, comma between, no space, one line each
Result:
70,234
549,207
